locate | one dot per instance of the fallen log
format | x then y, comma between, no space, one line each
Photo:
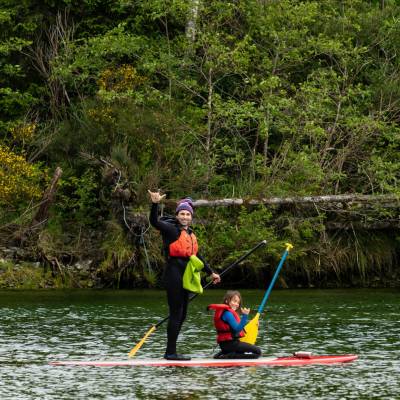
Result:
387,200
351,207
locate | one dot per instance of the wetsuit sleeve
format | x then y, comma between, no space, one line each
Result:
166,228
207,268
228,317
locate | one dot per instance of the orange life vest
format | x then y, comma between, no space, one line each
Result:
185,246
224,331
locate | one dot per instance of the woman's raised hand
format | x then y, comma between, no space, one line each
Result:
245,310
156,197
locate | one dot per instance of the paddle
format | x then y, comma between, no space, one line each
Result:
229,267
251,328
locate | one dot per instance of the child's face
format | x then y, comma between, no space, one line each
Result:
234,302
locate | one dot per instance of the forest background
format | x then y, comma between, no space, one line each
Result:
248,99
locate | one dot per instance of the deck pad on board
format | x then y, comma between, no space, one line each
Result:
211,362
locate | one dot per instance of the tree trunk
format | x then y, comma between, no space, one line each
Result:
209,125
42,214
191,24
57,41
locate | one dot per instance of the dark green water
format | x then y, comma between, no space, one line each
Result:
38,327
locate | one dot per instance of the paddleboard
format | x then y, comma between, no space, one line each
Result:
291,361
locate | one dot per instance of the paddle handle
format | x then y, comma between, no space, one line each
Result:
274,278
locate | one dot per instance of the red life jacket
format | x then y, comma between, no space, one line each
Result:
185,246
224,331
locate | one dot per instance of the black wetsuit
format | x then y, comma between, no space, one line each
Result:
177,296
234,348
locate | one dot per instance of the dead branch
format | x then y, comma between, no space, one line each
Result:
42,214
384,200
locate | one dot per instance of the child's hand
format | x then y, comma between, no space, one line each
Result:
245,310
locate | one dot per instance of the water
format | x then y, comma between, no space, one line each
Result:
38,327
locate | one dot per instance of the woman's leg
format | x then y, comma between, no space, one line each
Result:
185,297
177,303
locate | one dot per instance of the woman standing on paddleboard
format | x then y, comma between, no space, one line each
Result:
179,243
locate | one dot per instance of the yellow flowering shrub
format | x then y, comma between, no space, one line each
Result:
120,79
23,132
18,179
101,114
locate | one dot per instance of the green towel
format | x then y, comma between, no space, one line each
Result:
191,276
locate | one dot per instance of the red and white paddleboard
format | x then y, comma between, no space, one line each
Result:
295,360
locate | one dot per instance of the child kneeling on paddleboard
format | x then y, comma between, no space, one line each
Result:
230,328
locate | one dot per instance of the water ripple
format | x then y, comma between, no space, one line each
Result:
37,327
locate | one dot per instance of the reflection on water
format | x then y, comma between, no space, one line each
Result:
38,327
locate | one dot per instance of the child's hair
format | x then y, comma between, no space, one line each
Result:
231,293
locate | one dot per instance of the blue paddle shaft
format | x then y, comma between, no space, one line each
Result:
271,285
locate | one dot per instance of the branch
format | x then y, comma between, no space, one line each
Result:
387,200
48,198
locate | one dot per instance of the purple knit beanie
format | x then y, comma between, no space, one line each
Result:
185,204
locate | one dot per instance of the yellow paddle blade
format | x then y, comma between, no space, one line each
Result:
251,330
140,344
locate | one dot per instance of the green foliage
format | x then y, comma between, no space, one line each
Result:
229,233
116,248
266,98
17,94
359,259
78,199
122,260
300,173
24,276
